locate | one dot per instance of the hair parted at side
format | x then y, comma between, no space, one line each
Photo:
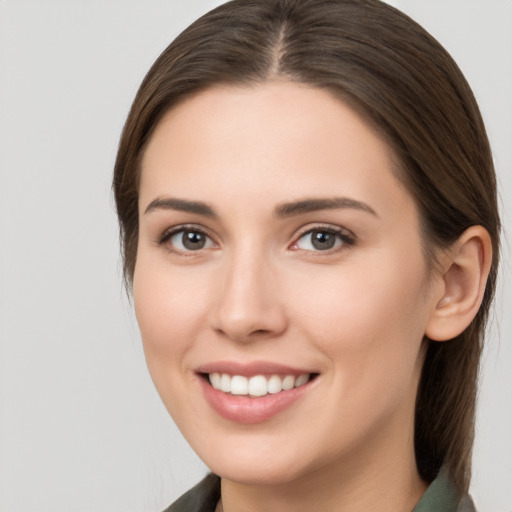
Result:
404,83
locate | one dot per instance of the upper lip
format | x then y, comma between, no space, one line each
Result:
250,369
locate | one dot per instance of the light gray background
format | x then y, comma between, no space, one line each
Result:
81,427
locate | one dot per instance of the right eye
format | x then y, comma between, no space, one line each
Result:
187,240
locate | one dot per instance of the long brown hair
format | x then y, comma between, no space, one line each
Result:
406,85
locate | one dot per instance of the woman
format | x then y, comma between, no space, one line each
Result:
308,215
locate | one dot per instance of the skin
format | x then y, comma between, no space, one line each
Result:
260,291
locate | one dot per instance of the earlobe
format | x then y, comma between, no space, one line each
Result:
465,270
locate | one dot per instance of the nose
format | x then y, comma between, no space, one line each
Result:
248,304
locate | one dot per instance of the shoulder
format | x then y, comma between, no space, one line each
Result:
441,496
466,505
203,497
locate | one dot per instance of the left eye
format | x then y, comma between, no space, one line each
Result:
320,240
186,240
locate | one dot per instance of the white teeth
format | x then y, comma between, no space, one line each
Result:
225,383
288,382
301,380
215,380
258,385
239,385
274,384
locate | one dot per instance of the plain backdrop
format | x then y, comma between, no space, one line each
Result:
81,426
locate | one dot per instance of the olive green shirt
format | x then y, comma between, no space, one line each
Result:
439,497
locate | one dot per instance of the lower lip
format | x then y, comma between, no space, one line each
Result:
247,410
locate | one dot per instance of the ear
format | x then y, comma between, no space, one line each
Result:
465,268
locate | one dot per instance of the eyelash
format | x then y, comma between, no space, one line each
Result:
170,233
344,238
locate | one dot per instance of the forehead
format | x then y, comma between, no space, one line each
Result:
275,137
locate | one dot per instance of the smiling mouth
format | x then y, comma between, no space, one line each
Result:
257,385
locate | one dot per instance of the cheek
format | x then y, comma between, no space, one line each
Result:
167,310
168,307
369,327
369,320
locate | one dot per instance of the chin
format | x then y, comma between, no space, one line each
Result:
269,467
256,474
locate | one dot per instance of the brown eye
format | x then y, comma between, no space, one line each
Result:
323,239
192,240
187,240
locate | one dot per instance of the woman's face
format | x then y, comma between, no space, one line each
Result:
280,258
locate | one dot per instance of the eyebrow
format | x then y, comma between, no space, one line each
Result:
182,205
283,210
312,205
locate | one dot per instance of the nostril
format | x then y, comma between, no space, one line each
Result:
260,332
240,334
